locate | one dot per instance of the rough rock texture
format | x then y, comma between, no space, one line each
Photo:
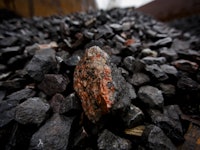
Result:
151,96
41,63
32,111
157,140
109,141
53,84
54,134
93,83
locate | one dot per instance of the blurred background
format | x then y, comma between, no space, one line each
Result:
163,10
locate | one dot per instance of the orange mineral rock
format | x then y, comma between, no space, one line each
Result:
93,83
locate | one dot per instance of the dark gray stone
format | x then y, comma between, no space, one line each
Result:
156,72
73,60
154,60
129,63
54,134
169,70
169,54
71,104
8,41
109,141
187,84
41,63
139,79
168,90
53,83
156,139
151,96
133,117
163,42
34,110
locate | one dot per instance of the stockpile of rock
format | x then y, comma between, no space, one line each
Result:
152,75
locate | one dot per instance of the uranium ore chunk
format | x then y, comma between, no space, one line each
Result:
93,83
101,86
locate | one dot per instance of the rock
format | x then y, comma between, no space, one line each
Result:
14,84
57,102
187,84
189,54
73,60
7,107
21,95
70,105
100,85
156,139
116,27
169,54
41,63
154,60
149,52
53,83
9,41
170,126
186,65
169,70
2,95
34,110
11,50
156,72
163,42
139,79
93,75
129,63
151,96
109,141
54,134
133,117
168,90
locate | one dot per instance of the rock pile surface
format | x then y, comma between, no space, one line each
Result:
139,88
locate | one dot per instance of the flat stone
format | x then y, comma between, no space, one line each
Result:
186,65
109,141
154,60
163,42
151,96
54,134
168,90
41,63
33,110
53,83
73,60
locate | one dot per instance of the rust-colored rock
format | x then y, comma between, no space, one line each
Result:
93,83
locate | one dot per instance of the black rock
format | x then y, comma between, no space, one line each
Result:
129,63
169,54
73,60
133,117
169,123
139,79
109,141
53,83
41,63
163,42
156,72
186,65
116,27
14,84
187,84
54,134
9,41
169,70
57,102
154,60
168,90
32,111
71,105
151,96
2,95
156,139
